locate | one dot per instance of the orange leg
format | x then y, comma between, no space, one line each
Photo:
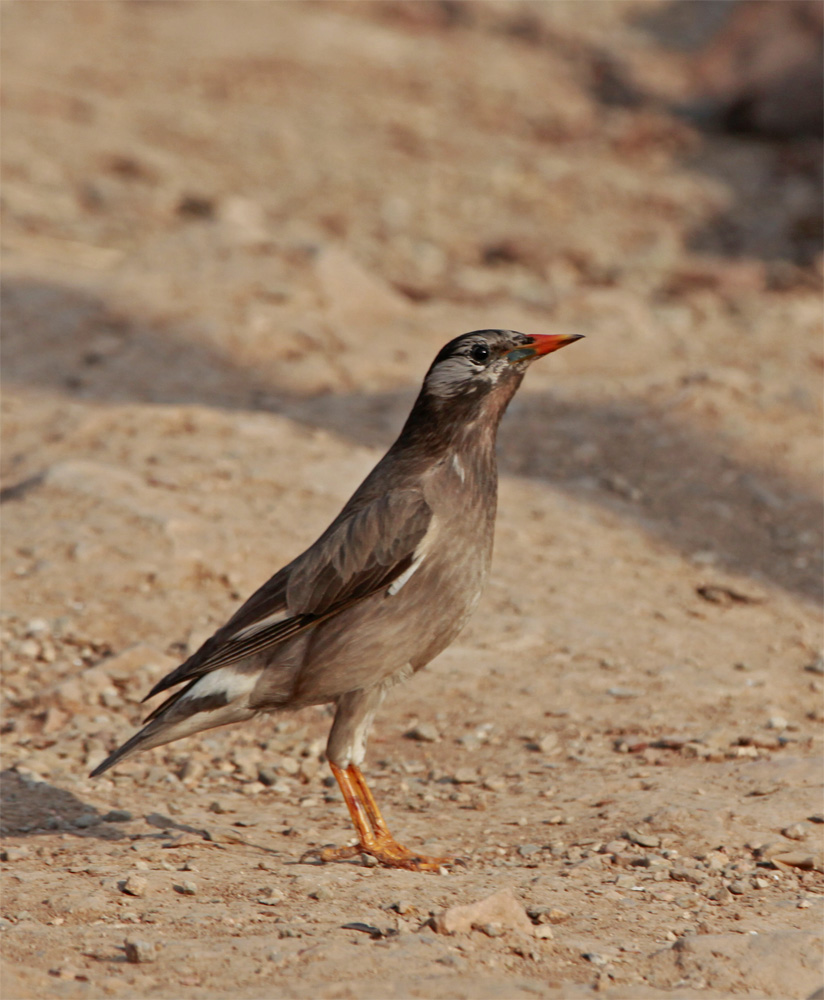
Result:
373,834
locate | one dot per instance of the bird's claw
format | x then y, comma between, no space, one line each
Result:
386,852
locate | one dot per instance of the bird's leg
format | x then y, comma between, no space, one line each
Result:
373,834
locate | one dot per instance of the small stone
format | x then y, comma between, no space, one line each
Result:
614,847
86,820
424,732
134,885
187,888
816,667
691,875
760,883
502,908
721,895
493,784
596,958
625,881
776,722
491,930
738,888
266,776
798,831
323,892
527,850
139,950
642,839
117,816
13,853
465,776
289,765
816,818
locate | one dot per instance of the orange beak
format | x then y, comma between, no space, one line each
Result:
542,344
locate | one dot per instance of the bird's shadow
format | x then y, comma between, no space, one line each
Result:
677,482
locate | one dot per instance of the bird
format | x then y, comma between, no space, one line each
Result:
385,589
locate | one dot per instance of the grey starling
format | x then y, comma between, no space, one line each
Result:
387,586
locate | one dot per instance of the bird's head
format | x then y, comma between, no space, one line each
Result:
486,365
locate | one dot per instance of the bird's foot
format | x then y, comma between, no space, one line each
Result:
387,852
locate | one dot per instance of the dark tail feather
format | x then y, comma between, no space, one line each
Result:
179,718
137,742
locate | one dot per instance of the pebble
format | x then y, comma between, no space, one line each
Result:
14,853
816,667
86,820
502,909
691,875
776,722
642,839
187,888
738,888
271,897
134,885
798,831
424,732
527,850
323,892
721,895
117,816
494,784
139,950
465,776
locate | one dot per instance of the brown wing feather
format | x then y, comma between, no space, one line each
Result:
361,552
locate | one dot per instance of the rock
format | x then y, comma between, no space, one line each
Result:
465,776
798,831
322,893
187,888
502,909
691,875
134,885
117,816
642,839
424,732
799,859
139,950
86,820
266,776
14,853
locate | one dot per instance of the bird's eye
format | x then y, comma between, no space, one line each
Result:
479,353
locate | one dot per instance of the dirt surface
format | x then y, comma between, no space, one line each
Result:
235,236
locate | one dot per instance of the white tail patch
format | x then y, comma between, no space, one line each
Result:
227,681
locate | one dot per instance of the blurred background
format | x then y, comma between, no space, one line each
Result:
290,206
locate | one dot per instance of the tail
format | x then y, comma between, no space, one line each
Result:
216,699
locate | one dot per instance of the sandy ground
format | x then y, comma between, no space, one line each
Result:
235,236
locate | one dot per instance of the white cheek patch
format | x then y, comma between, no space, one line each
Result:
231,683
